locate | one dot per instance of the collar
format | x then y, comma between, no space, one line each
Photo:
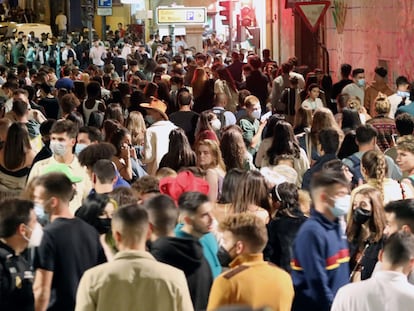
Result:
7,248
319,217
133,254
389,276
246,259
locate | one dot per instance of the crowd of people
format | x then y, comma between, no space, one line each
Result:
151,176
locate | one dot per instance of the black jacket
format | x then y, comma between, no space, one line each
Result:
282,233
187,255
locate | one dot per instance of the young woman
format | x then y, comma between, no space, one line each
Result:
93,101
313,101
179,155
16,157
97,210
374,169
284,142
208,127
234,150
136,126
209,159
285,225
364,230
252,196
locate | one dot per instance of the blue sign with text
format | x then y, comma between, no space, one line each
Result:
105,3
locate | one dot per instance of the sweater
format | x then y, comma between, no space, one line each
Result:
320,265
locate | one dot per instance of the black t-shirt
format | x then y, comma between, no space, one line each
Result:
51,107
119,64
15,287
187,120
69,247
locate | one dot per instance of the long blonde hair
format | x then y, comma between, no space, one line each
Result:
215,151
136,126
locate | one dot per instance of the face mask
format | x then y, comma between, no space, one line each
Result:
165,66
341,206
36,237
361,215
39,210
79,148
103,225
361,82
58,148
150,120
224,257
215,124
174,88
403,94
257,114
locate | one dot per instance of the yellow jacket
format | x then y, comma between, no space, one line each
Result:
253,282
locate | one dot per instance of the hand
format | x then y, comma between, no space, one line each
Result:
125,152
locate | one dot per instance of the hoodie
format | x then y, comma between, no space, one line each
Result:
186,254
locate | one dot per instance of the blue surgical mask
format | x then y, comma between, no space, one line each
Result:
341,206
257,114
403,94
58,148
361,82
79,148
150,120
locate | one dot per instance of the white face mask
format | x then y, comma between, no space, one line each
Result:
342,205
36,237
58,148
257,114
215,124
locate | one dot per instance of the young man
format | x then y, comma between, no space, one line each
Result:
195,212
366,139
387,289
251,281
62,139
329,143
357,87
184,254
379,85
251,124
338,87
157,134
19,229
320,265
185,117
134,277
402,95
69,246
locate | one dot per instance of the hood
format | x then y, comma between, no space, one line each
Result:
380,86
183,253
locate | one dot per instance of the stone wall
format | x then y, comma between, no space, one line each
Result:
375,32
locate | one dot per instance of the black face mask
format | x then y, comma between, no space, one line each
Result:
103,225
361,215
224,257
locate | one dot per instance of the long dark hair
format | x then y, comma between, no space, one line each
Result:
287,195
233,148
230,183
16,145
179,153
284,142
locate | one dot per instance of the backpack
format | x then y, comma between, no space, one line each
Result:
356,169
